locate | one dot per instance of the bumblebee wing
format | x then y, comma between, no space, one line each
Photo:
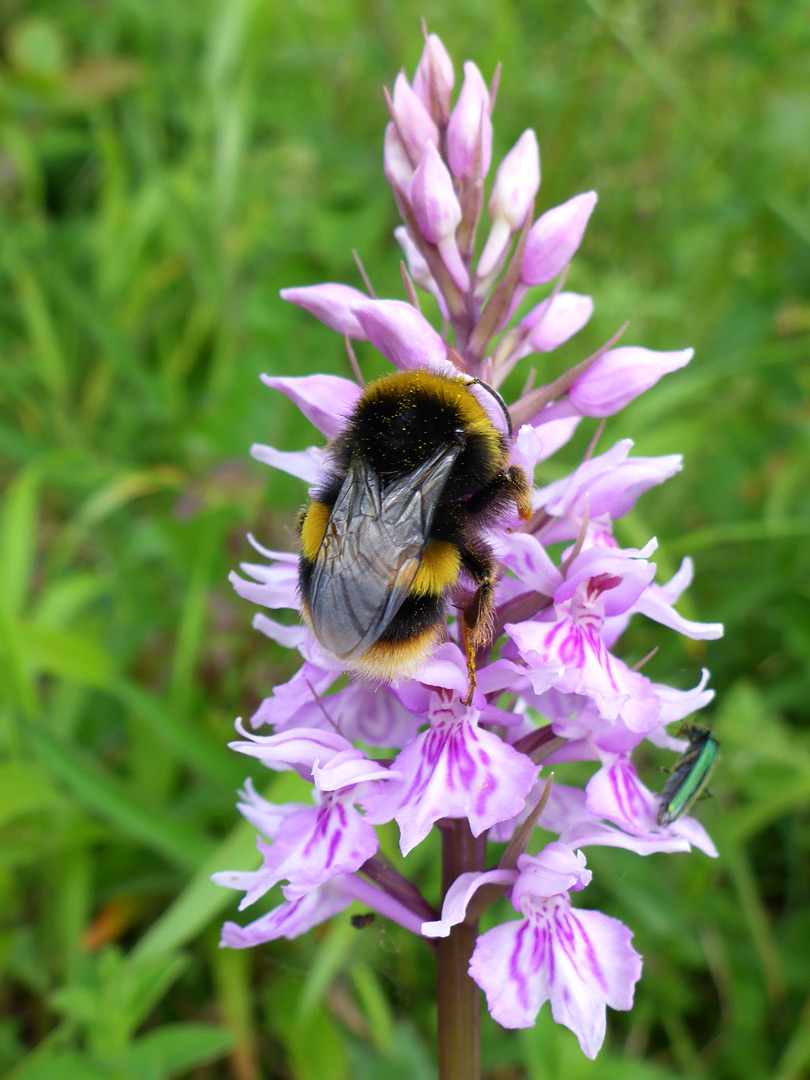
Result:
370,552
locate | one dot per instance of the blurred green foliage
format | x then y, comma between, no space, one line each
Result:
165,168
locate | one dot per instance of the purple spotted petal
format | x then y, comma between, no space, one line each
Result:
578,960
455,769
296,702
628,571
616,793
369,713
331,839
588,669
458,896
288,920
567,814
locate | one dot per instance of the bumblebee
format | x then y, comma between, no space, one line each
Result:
390,537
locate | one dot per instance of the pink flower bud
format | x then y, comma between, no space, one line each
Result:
554,321
516,184
434,79
331,303
435,206
438,211
396,163
469,132
554,238
414,123
403,335
418,267
620,375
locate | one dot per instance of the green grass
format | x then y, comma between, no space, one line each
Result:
166,168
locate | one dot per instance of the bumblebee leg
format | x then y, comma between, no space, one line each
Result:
511,484
476,617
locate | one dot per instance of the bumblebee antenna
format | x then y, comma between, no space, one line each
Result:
498,398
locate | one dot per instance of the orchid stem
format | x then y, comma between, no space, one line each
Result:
459,999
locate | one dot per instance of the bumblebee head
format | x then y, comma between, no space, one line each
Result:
403,419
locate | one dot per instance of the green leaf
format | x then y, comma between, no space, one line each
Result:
66,655
62,600
201,900
104,794
18,537
184,739
70,1065
313,1042
25,788
173,1049
375,1005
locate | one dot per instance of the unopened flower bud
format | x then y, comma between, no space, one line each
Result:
418,267
516,184
331,303
620,375
554,321
403,335
414,123
469,132
554,238
438,211
396,164
434,79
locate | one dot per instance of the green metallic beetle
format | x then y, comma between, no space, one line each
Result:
689,775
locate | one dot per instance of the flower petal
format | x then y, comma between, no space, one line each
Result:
554,238
332,303
404,336
325,400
